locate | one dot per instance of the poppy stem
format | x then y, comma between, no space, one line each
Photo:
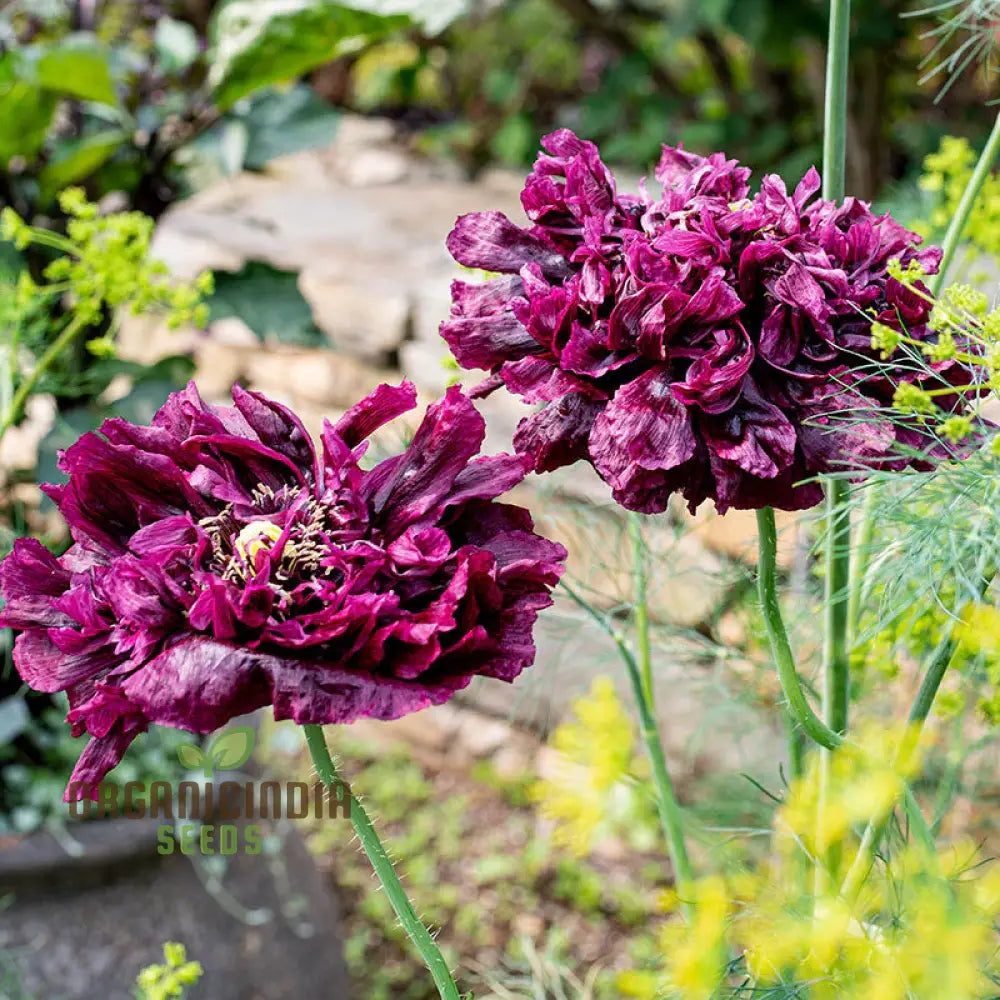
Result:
797,703
418,933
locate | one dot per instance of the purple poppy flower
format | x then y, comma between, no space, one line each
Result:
705,342
222,562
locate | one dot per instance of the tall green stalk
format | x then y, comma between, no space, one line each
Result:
418,933
835,102
671,817
836,661
959,221
836,652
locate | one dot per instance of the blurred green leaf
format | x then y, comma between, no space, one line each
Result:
26,112
279,123
261,42
269,302
75,161
76,66
515,140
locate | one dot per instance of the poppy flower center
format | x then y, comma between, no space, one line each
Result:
256,537
294,544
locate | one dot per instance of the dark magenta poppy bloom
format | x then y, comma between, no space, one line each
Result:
705,341
222,562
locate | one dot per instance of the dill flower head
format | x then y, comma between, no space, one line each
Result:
221,562
703,341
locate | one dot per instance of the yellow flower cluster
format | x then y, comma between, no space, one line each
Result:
961,313
946,174
979,634
103,264
920,927
168,981
596,765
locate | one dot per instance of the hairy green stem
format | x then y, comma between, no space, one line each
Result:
781,650
668,807
418,933
641,605
45,362
956,228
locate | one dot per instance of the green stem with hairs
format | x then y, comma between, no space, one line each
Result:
767,589
418,933
671,817
956,228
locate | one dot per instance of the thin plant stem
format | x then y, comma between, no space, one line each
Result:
418,933
861,552
671,817
959,221
836,665
767,589
920,710
641,605
45,362
836,654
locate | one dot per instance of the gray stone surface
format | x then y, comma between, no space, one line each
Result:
86,938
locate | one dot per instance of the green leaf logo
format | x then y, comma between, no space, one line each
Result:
190,756
232,748
227,751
